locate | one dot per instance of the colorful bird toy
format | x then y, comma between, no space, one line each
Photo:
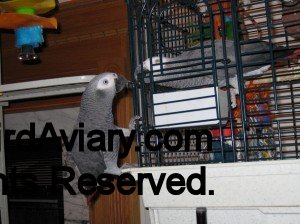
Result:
22,16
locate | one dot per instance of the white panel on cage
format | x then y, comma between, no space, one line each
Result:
188,108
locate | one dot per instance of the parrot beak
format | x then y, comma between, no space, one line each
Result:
121,83
130,85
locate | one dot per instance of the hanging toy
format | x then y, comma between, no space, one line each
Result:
21,16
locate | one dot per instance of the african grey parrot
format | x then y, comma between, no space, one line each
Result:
190,63
96,114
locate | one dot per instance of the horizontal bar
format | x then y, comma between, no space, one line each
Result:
46,83
44,88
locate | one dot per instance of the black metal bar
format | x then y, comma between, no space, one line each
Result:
239,68
201,214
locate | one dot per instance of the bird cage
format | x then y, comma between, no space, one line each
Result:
227,69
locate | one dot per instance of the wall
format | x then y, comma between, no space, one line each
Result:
93,38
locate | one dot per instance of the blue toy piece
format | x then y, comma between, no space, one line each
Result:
28,38
32,35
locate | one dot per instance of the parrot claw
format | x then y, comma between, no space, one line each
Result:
133,122
128,166
265,68
233,93
259,71
113,170
131,126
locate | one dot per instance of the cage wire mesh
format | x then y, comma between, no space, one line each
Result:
230,67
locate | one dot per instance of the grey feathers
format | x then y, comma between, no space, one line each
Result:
194,68
96,114
199,64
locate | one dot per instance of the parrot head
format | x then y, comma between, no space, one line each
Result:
109,81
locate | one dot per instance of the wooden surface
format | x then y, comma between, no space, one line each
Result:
89,31
93,39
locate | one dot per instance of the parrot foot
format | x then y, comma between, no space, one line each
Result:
133,122
259,71
264,69
114,170
117,171
233,93
234,83
128,165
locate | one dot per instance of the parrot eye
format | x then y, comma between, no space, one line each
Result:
105,81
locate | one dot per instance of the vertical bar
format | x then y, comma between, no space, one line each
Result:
3,198
155,8
215,74
239,67
149,22
201,214
269,28
133,59
144,49
223,28
294,120
280,141
132,52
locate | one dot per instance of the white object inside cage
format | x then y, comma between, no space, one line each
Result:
187,108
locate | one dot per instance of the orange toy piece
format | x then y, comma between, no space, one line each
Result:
252,94
15,21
